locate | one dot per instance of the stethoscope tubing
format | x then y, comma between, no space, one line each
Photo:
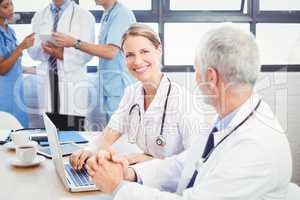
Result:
160,140
232,131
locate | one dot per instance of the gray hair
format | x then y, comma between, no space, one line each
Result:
232,52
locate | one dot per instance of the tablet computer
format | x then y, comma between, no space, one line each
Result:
67,149
47,38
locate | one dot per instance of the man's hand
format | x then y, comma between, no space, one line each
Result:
52,50
63,40
105,173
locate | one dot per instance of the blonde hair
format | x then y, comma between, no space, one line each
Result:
143,31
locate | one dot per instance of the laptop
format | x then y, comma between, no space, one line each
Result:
73,180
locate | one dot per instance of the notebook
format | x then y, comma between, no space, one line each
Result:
67,136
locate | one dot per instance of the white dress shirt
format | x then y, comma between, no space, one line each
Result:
182,120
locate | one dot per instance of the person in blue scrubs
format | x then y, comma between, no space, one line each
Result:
112,77
11,81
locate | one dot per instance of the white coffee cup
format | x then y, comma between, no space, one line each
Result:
19,138
26,153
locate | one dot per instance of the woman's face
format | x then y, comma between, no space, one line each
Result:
142,57
7,9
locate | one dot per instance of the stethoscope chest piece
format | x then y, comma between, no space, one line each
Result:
160,140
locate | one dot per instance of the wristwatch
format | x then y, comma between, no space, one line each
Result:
77,44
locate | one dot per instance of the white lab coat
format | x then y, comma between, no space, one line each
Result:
253,163
182,122
73,85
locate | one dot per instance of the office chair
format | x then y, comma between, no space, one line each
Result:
8,121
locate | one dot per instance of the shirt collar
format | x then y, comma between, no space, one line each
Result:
234,118
230,121
64,5
223,123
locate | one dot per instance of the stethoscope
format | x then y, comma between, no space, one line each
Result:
160,139
232,131
72,16
203,160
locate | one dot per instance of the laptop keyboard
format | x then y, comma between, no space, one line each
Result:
79,177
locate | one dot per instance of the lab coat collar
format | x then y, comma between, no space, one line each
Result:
161,93
159,98
244,110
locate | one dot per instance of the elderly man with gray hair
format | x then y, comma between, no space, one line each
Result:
246,156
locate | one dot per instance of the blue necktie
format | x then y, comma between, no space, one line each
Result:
208,147
52,62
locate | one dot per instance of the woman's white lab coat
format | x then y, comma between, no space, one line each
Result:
182,121
73,86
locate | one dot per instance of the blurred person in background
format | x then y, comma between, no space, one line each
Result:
63,86
112,77
11,79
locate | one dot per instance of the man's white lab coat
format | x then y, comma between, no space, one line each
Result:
73,85
253,163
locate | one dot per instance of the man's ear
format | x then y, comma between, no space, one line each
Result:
212,76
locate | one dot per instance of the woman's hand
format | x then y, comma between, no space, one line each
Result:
27,42
78,158
137,158
63,40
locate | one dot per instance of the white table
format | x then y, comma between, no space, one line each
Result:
41,182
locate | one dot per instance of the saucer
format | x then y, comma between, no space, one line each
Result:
10,146
17,163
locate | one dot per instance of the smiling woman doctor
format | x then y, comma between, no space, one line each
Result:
155,113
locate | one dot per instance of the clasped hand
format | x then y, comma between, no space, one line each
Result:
107,170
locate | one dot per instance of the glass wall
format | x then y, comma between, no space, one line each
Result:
276,24
181,51
205,5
